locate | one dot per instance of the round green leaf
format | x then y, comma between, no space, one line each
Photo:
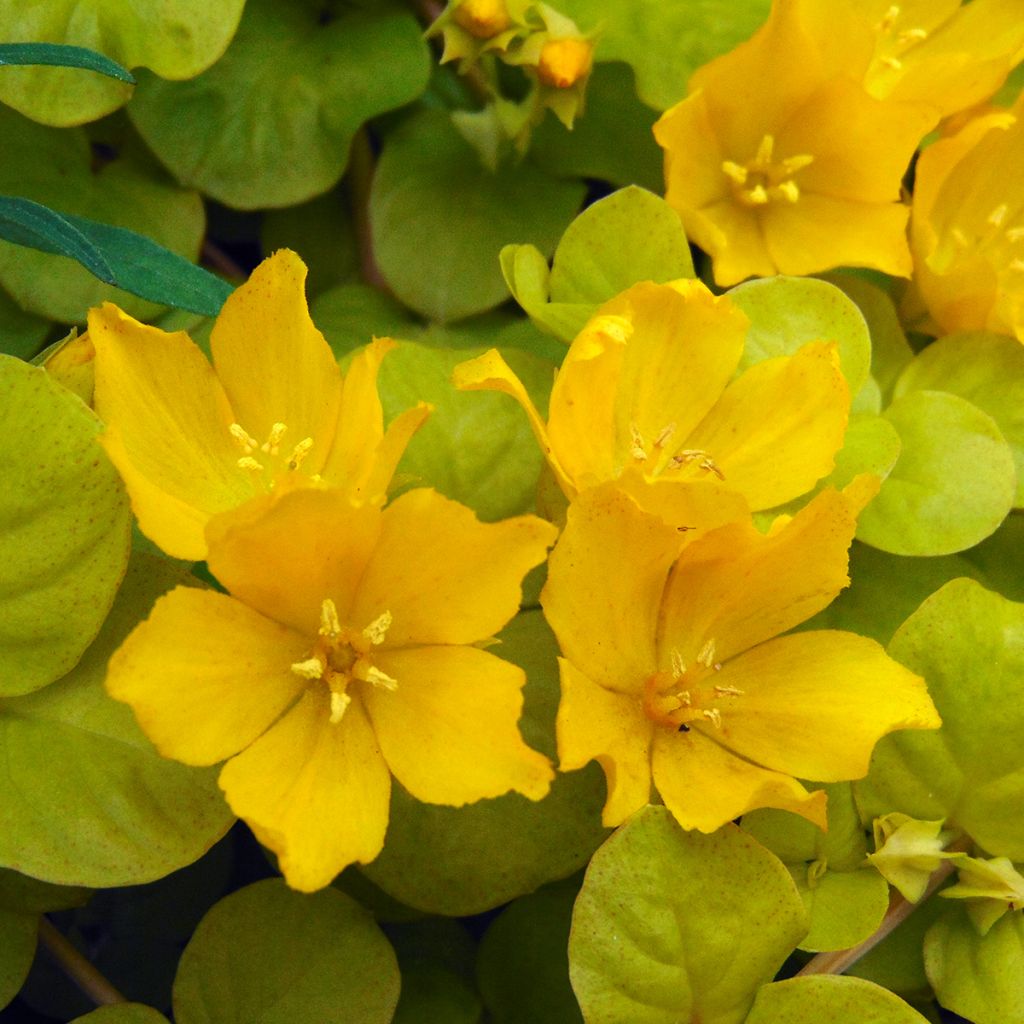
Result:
998,558
439,218
275,956
464,860
677,926
55,168
17,950
987,370
123,1013
21,334
29,895
475,447
352,315
271,123
952,485
822,999
109,810
845,907
64,529
523,968
436,957
980,978
665,42
788,312
968,643
176,38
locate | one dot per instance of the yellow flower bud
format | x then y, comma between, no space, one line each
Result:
483,19
563,62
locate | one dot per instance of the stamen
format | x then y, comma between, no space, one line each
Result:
375,677
245,441
756,196
330,626
714,716
736,172
763,157
711,467
998,215
339,705
311,668
274,439
913,35
1014,234
888,19
663,437
683,696
892,62
299,453
637,443
792,164
248,462
728,691
788,190
706,657
960,238
377,630
678,665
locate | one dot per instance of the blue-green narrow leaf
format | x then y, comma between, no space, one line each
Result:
62,56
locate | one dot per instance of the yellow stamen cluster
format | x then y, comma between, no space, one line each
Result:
893,42
638,449
271,447
998,243
766,179
341,655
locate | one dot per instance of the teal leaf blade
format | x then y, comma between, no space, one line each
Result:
58,55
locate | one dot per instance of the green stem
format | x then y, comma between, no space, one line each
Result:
77,967
359,179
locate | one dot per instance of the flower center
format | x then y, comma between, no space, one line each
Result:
682,695
664,457
268,460
341,654
892,41
765,179
999,239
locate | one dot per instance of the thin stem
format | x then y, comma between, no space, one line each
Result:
77,967
428,12
359,180
221,261
900,909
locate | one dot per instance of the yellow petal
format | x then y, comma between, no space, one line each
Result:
275,365
705,786
167,429
738,587
775,431
205,675
819,232
815,704
604,587
445,577
316,794
684,347
733,236
596,724
389,452
490,372
284,556
449,731
693,155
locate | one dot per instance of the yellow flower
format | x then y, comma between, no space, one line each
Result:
191,440
941,52
967,231
563,62
646,388
778,165
673,669
344,654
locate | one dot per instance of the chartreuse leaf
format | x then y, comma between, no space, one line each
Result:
886,589
982,979
109,810
968,643
59,55
987,370
823,999
54,168
464,860
176,38
17,950
476,451
351,315
268,954
21,334
788,312
845,901
998,558
952,485
123,1013
631,235
663,42
673,925
439,218
613,112
64,529
271,123
523,967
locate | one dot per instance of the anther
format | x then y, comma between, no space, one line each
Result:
792,164
706,657
299,453
889,19
339,705
714,716
892,62
375,677
735,172
788,190
330,626
763,157
377,630
913,35
998,215
960,237
245,441
311,668
274,439
711,467
678,665
728,691
636,443
248,462
664,435
756,196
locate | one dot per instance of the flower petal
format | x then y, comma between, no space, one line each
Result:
449,732
705,786
445,577
284,556
275,365
205,675
734,237
596,724
775,431
738,587
604,587
815,704
167,422
316,794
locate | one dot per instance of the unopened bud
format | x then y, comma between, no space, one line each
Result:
483,19
563,62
